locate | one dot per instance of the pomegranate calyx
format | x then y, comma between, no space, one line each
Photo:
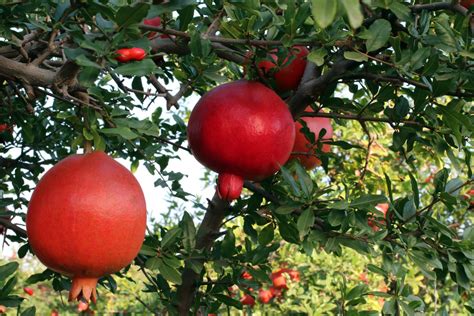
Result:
229,186
83,288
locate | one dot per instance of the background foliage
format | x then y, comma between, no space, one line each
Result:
395,77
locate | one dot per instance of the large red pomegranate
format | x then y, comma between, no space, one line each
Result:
289,76
303,145
242,130
86,219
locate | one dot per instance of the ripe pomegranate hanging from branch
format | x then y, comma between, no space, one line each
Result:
86,219
242,130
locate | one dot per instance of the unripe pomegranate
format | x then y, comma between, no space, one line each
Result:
265,296
289,76
242,130
247,299
86,219
303,145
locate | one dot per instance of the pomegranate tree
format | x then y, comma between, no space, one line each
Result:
304,146
242,130
86,219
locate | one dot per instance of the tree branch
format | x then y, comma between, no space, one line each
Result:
29,73
205,237
309,90
363,118
5,222
397,80
439,6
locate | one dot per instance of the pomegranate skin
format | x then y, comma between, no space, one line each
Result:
302,144
288,77
242,130
86,219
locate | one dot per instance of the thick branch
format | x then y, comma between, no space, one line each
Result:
309,90
29,73
205,237
171,46
5,222
439,6
225,40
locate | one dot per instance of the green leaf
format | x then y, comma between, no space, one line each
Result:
409,209
228,300
336,217
368,200
7,270
123,132
401,10
200,47
305,222
30,311
189,232
228,244
8,287
169,273
137,68
324,11
286,209
353,11
304,180
128,15
152,263
148,251
377,270
356,56
266,235
83,61
290,180
174,5
377,35
171,236
317,56
414,188
356,292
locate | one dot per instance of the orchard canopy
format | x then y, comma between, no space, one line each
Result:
382,224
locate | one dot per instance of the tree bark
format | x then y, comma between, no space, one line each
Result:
205,237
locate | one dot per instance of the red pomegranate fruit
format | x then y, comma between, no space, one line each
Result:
247,299
242,130
467,3
265,296
287,77
279,280
86,219
304,145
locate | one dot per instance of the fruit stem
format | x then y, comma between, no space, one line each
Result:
87,146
